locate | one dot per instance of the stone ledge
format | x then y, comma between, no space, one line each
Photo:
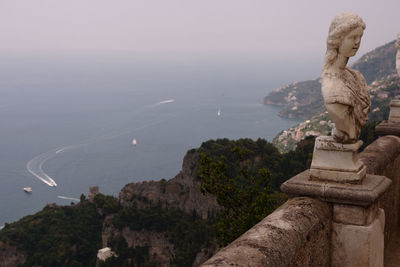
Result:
296,234
364,194
388,128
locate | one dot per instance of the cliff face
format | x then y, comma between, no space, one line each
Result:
182,191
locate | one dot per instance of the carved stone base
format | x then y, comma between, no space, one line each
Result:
364,194
336,162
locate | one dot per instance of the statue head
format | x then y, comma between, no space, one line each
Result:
340,27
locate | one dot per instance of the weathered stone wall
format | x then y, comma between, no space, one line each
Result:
297,234
382,157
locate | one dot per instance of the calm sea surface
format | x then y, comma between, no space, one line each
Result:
71,121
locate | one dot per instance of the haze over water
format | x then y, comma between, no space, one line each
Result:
78,116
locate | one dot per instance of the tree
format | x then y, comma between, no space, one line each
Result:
246,199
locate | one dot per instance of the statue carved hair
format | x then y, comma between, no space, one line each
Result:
341,25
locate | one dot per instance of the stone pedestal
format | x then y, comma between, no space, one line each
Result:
391,126
336,162
358,223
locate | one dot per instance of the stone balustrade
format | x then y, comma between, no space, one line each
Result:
299,233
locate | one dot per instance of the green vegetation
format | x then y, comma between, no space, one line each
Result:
239,173
368,134
57,236
187,232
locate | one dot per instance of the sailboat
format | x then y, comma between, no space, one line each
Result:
134,142
219,112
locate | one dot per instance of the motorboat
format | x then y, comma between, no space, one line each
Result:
28,190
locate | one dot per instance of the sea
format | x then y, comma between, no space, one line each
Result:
68,121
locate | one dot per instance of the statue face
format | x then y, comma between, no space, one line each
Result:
351,42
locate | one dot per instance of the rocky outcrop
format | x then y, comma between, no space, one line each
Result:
182,191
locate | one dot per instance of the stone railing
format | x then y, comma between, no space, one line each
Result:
296,234
300,232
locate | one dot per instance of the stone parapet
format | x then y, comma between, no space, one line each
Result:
297,234
382,157
300,232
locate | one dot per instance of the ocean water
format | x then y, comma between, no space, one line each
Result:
70,121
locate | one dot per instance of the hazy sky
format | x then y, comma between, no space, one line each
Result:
187,26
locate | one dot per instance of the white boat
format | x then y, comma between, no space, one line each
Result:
134,142
219,112
28,190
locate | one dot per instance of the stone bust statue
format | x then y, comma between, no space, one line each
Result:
398,54
344,90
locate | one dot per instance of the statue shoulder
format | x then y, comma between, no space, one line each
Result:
359,76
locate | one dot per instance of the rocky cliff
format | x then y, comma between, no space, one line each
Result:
182,191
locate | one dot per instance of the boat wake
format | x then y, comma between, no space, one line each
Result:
68,198
35,165
162,103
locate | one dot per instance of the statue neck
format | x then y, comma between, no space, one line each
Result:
340,63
